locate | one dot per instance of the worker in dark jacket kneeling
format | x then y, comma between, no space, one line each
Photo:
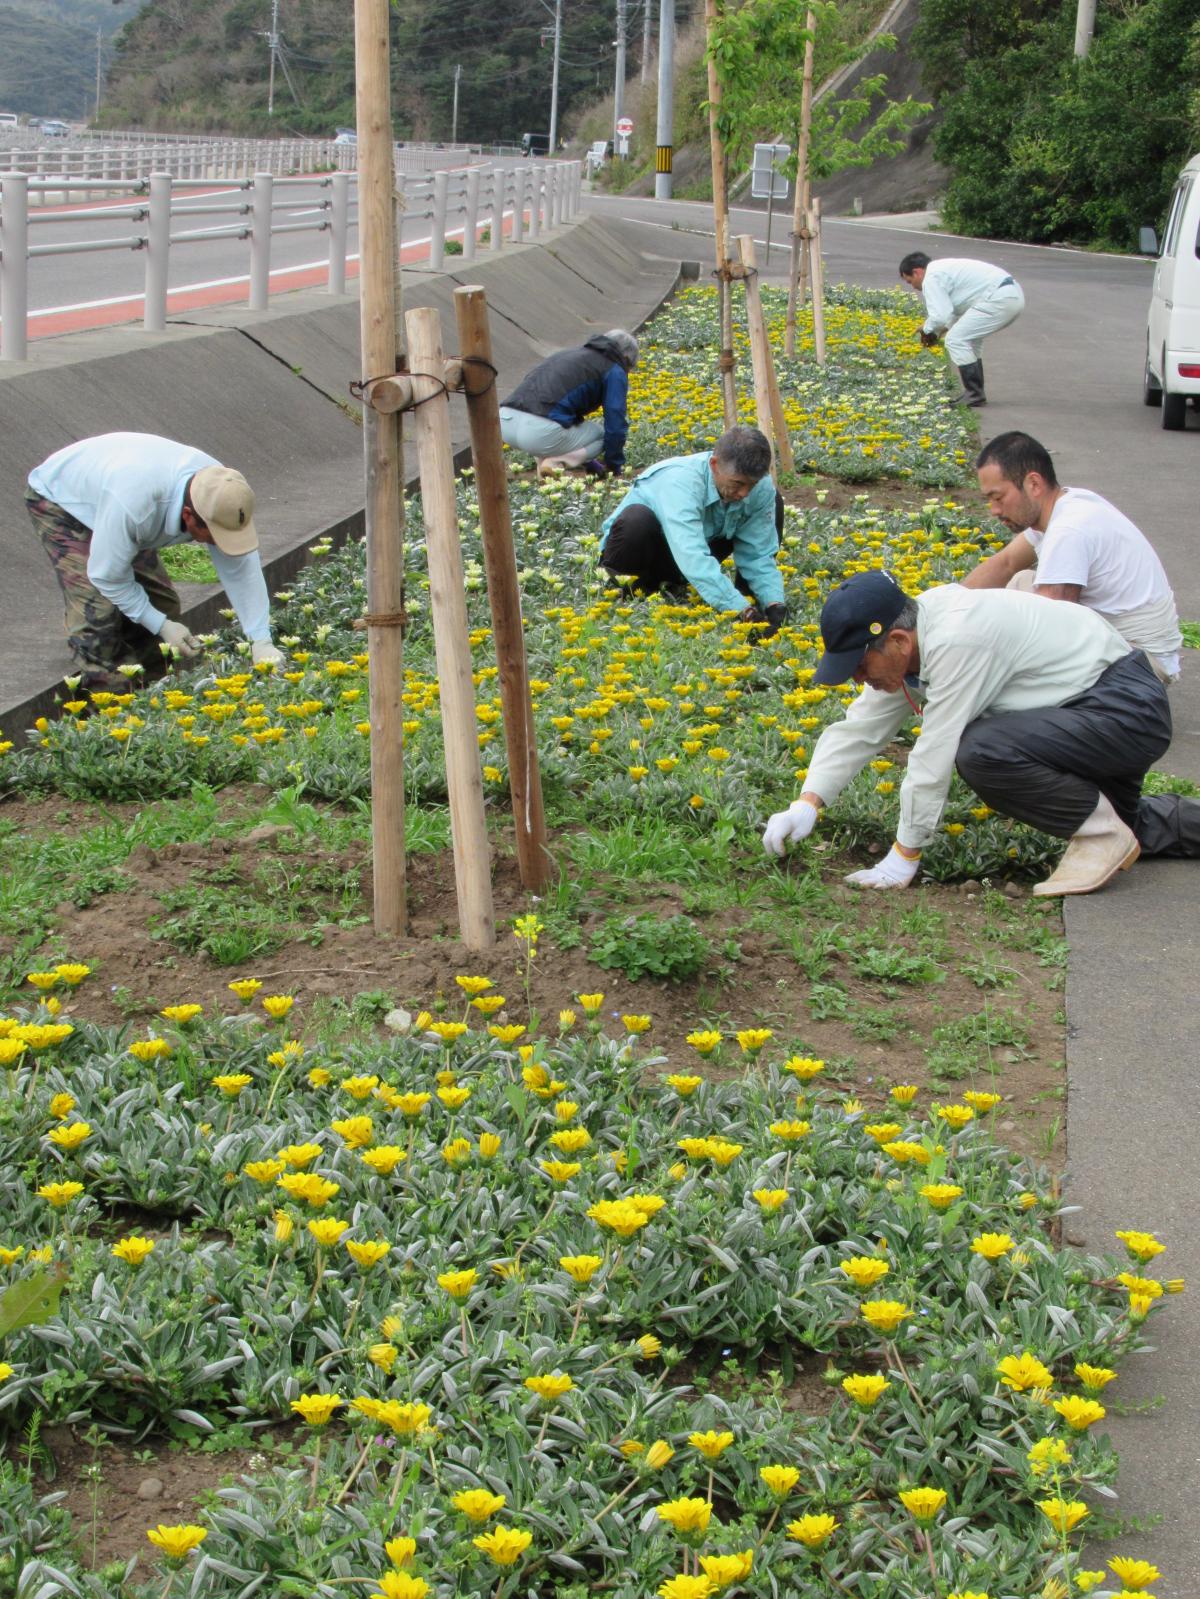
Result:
546,414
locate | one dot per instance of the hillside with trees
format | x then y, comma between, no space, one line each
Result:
48,61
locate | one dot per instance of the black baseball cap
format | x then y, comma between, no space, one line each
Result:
858,611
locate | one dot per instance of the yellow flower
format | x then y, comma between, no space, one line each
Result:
658,1454
1062,1514
71,1136
981,1102
686,1515
865,1389
9,1255
770,1199
1024,1373
504,1546
133,1250
812,1531
489,1146
710,1444
992,1245
571,1140
264,1171
383,1158
864,1271
954,1116
648,1346
61,1105
457,1152
6,1371
566,1110
176,1542
791,1131
278,1005
44,981
1085,1581
591,1003
478,1504
1135,1574
447,1031
1094,1378
367,1254
560,1171
752,1039
458,1284
406,1421
550,1387
308,1186
803,1067
581,1268
636,1024
1142,1246
317,1409
704,1042
400,1584
453,1097
60,1194
384,1356
506,1034
683,1085
882,1132
723,1570
618,1215
300,1155
923,1504
356,1132
686,1587
328,1232
904,1093
941,1195
1048,1452
72,972
885,1315
780,1479
1145,1286
566,1019
284,1227
245,988
1079,1414
474,985
148,1049
360,1087
232,1083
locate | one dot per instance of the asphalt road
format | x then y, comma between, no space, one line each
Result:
1069,372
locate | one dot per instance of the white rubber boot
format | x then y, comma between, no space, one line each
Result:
1101,848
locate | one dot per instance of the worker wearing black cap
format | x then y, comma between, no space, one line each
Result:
1047,714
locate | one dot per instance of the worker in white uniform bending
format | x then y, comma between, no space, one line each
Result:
1044,709
965,300
1071,544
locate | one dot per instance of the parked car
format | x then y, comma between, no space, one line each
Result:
345,136
1172,372
52,128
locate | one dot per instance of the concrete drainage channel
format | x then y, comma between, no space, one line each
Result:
268,392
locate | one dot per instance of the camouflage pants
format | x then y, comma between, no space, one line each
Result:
99,636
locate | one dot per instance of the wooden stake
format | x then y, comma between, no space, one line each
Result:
381,334
799,257
767,399
721,224
818,280
448,604
504,592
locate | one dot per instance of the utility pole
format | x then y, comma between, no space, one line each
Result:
647,10
619,84
99,47
1085,24
664,152
454,117
558,5
273,41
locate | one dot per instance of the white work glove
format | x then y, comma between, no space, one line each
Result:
180,639
790,826
894,871
263,651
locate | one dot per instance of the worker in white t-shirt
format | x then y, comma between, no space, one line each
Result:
1073,545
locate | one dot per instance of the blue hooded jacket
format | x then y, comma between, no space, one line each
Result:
570,384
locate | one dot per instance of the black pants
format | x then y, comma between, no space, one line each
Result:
637,547
1049,767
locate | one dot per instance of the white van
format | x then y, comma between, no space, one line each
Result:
1173,325
8,119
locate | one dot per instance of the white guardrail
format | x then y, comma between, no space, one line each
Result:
144,181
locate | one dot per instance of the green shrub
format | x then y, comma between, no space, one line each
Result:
672,949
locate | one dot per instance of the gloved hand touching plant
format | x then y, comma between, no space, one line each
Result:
179,640
895,870
790,826
262,651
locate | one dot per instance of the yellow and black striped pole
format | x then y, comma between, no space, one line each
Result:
664,155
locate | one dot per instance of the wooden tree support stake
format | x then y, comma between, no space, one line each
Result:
767,401
447,599
504,592
721,224
818,280
799,256
381,332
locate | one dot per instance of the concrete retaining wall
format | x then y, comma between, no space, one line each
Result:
268,392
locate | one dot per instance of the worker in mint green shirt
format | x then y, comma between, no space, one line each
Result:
684,516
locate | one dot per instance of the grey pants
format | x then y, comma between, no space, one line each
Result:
1049,767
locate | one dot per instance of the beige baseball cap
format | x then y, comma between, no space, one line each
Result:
224,502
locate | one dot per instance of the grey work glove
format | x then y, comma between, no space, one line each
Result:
263,652
179,640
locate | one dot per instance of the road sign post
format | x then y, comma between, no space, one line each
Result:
767,182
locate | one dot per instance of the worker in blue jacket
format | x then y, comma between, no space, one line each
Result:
682,517
548,414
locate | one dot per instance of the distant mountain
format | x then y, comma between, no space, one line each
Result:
48,63
203,64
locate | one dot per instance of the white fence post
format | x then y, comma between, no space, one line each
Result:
158,249
14,283
339,231
437,241
471,216
535,202
499,182
260,240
